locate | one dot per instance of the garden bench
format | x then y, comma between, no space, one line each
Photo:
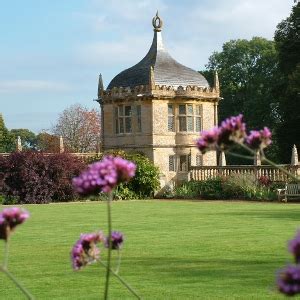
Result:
291,190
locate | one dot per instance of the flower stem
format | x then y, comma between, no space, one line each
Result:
17,283
110,197
122,281
6,250
119,262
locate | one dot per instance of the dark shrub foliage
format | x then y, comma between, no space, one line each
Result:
32,177
62,168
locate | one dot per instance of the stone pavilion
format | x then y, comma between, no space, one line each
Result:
158,107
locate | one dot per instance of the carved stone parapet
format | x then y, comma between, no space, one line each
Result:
160,92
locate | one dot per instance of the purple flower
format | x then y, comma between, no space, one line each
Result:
208,140
294,247
259,139
117,240
9,219
288,280
85,251
104,175
232,130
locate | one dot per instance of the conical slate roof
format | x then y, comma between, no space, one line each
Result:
167,71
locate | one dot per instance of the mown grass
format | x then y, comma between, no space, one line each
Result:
173,249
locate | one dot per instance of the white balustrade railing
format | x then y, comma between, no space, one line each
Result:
273,173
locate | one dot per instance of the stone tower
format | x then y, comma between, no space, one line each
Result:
158,107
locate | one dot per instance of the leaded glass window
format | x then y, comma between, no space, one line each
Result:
172,163
123,119
139,118
189,117
171,118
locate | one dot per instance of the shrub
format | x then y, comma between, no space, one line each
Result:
62,168
212,189
146,180
239,186
208,189
32,177
188,190
235,186
123,192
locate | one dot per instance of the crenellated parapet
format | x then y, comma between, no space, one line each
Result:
152,91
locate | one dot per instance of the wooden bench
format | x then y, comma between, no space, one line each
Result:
291,190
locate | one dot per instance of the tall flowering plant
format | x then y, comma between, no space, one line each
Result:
10,218
102,176
233,131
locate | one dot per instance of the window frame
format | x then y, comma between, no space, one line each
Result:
123,120
184,125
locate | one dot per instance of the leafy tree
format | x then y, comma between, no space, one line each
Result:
28,137
80,128
6,141
287,39
248,71
47,142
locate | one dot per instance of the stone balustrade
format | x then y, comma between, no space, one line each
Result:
275,174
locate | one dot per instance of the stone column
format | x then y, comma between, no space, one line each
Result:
294,158
19,147
257,159
222,159
61,145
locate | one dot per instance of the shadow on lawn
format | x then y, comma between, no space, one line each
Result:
273,214
194,270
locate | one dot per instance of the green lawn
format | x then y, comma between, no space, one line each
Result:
173,249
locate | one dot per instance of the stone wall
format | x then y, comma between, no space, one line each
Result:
155,140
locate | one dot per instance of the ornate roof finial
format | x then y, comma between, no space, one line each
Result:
100,86
216,81
151,79
157,23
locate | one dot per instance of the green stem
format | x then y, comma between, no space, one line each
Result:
119,262
110,197
17,283
6,249
271,163
122,281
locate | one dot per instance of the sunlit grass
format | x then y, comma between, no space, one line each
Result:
173,250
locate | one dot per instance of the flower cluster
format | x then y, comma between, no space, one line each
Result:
294,247
259,139
288,280
232,130
85,250
9,219
104,175
116,240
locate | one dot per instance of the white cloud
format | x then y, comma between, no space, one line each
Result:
115,53
29,86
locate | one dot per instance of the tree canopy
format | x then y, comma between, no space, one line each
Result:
287,40
80,128
248,71
6,140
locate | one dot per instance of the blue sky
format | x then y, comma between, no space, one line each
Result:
51,52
